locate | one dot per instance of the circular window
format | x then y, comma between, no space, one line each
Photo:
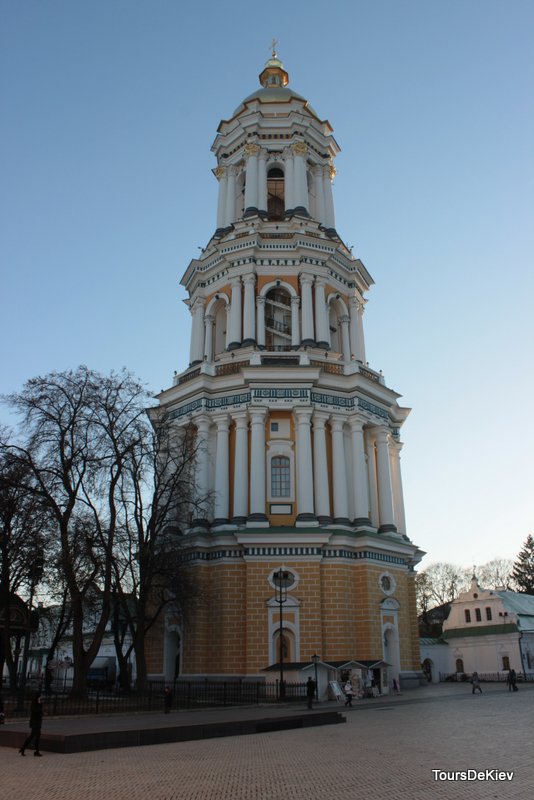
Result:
387,583
282,579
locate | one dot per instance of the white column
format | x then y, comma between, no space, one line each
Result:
295,326
319,193
222,496
300,183
230,196
196,353
360,486
201,510
235,314
385,495
396,479
305,506
208,337
257,472
321,320
220,174
262,181
260,321
329,216
306,282
251,179
357,344
339,477
344,324
240,469
320,469
289,180
249,309
371,474
227,310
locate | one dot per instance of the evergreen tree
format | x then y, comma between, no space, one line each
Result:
523,572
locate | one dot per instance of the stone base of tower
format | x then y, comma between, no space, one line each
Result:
347,597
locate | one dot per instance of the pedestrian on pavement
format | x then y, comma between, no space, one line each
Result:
349,693
512,680
167,699
311,686
36,721
475,680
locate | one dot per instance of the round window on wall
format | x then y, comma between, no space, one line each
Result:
282,579
387,583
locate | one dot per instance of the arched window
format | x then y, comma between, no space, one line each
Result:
219,328
278,319
275,194
280,477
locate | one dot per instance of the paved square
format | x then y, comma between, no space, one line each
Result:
387,749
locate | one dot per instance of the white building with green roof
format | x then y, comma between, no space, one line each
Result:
491,631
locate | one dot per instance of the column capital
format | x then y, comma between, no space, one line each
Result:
303,415
231,171
219,172
250,278
258,415
251,149
235,281
306,278
337,422
320,418
300,148
295,301
382,433
209,319
240,418
260,299
202,422
222,421
197,305
320,281
356,422
344,319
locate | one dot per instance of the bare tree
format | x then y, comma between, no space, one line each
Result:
23,539
119,487
496,573
157,492
78,429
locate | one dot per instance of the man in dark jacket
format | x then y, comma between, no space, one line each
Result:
36,721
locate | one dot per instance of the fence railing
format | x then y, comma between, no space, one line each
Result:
185,694
486,677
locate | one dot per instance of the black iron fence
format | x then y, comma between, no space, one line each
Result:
485,677
185,694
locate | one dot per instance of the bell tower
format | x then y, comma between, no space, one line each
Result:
298,463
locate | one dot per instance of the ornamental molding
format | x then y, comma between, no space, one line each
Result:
322,401
251,149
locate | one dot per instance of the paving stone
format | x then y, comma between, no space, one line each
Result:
387,749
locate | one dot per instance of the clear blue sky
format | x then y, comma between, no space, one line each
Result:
108,112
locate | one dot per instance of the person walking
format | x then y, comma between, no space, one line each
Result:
167,699
311,686
36,721
475,681
511,680
349,693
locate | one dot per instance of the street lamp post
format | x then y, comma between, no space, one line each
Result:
315,658
282,579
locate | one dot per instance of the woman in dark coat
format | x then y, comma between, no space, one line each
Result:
36,720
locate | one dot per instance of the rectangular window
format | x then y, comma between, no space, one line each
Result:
488,614
274,427
467,615
478,615
280,477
